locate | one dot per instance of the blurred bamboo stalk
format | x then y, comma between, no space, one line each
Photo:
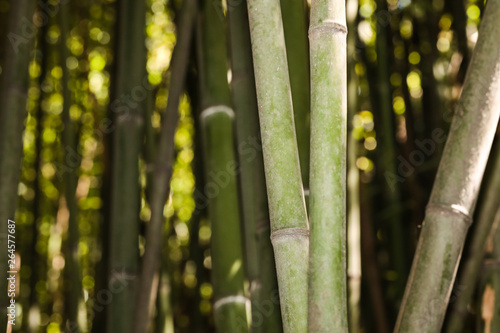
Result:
295,21
289,224
14,82
260,264
448,214
353,199
216,120
130,69
469,273
162,167
387,151
70,143
327,252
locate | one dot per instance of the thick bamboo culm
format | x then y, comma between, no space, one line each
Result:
259,257
221,188
13,98
130,68
454,194
289,224
327,261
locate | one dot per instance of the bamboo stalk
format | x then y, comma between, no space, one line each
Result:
289,225
295,28
216,122
353,198
14,83
260,265
163,167
327,260
127,142
448,214
75,291
473,260
385,130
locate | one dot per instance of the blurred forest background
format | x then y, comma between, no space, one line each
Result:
83,210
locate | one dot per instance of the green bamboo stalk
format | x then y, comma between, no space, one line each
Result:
260,265
75,291
488,319
289,224
327,260
353,199
14,81
163,167
473,260
216,122
387,152
127,142
448,214
295,28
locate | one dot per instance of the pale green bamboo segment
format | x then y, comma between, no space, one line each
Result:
289,224
295,28
472,263
455,190
327,253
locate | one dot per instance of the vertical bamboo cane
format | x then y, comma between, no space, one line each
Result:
353,199
289,225
127,142
216,119
448,214
295,28
163,167
327,270
14,83
259,255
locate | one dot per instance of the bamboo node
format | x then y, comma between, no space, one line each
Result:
211,110
453,209
328,26
293,232
230,299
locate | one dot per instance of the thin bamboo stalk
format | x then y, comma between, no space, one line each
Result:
260,265
295,28
473,260
327,260
14,83
216,122
353,199
289,224
163,167
448,214
75,291
385,129
130,69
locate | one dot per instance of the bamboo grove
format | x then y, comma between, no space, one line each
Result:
257,166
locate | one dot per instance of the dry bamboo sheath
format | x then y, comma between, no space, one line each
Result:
453,198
